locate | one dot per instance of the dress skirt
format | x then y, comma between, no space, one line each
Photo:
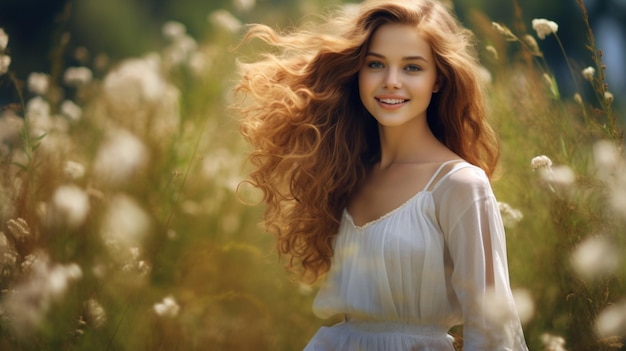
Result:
358,335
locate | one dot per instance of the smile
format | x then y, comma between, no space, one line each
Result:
392,101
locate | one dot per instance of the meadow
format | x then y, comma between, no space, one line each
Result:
124,224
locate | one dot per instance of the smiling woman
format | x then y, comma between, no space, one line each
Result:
373,151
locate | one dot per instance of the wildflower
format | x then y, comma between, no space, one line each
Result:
525,304
225,20
38,83
510,216
77,76
96,315
199,63
5,62
607,158
244,5
492,50
173,30
608,97
181,50
612,321
504,31
73,170
589,73
19,229
595,257
168,307
543,27
125,222
553,342
71,205
578,99
135,81
532,44
10,127
542,161
38,115
72,111
30,300
120,157
560,175
8,255
4,39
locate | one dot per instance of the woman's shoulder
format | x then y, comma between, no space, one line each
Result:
463,178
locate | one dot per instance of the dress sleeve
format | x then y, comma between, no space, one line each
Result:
471,224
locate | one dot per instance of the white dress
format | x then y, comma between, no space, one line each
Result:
438,260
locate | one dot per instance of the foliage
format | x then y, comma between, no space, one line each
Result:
121,227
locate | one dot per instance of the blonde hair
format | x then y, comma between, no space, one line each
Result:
314,142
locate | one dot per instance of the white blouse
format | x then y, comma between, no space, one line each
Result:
438,260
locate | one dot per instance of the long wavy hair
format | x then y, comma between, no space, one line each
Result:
314,142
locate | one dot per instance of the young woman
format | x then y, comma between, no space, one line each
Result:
371,146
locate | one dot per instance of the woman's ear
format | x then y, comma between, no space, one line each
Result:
437,86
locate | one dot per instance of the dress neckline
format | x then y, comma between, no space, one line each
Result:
402,205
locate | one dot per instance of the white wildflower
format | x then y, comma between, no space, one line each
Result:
244,5
525,304
120,157
96,315
589,73
542,161
5,62
199,63
492,50
578,98
38,83
73,170
4,39
71,205
532,44
559,175
612,321
19,229
553,342
607,159
173,30
10,127
595,257
38,116
168,307
225,20
504,31
543,27
608,97
71,110
510,215
29,301
77,76
125,222
135,82
180,50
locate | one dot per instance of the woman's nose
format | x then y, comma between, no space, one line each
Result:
392,80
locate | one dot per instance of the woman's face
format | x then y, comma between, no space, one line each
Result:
399,75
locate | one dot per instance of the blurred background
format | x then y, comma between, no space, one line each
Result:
121,227
123,28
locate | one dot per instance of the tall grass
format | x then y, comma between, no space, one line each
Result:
121,228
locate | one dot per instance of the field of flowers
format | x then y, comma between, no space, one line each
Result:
123,225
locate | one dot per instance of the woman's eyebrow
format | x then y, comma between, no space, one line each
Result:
406,58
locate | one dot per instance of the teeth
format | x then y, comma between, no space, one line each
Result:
392,101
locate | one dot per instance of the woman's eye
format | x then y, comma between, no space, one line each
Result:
375,65
413,68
